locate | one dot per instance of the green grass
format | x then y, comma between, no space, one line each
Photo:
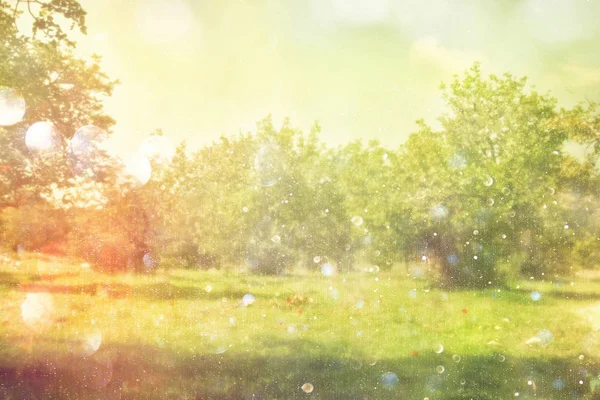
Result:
186,335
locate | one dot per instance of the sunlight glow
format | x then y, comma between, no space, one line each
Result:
158,148
137,168
162,21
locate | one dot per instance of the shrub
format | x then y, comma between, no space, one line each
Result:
33,227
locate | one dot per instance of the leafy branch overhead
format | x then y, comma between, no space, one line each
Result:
49,17
58,86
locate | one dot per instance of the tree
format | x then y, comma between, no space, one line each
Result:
365,176
56,86
304,206
584,123
482,192
267,200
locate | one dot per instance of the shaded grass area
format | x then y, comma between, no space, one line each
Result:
188,334
237,376
138,372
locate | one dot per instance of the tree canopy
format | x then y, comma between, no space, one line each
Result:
489,187
54,86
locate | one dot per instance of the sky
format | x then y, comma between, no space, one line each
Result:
365,69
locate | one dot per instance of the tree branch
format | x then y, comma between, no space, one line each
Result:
15,11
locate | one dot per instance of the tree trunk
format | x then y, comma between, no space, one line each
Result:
443,248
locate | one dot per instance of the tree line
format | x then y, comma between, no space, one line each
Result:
488,196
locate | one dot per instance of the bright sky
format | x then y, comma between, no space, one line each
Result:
362,68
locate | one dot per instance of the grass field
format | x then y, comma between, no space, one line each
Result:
69,333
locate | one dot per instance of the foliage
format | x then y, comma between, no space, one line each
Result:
583,122
488,196
57,86
484,188
33,227
367,182
262,200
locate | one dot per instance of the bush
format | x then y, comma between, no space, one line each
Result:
33,228
98,237
110,251
180,254
267,258
587,253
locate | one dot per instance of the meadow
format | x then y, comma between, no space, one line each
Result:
67,332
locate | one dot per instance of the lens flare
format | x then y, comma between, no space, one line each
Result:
308,388
269,165
137,169
328,269
12,106
389,380
248,299
89,153
38,310
42,137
